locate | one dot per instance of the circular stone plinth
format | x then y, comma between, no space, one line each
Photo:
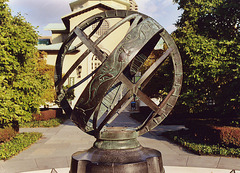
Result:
168,169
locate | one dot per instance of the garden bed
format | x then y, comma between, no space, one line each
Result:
46,118
47,123
188,140
213,132
20,142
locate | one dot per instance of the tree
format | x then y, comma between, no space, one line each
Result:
207,36
162,80
48,70
22,85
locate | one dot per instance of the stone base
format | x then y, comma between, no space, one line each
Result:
95,160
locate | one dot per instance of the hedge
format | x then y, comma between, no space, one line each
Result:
6,134
47,114
186,139
48,123
229,136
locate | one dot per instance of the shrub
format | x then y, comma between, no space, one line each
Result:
186,139
17,144
45,115
7,134
233,121
229,135
49,123
226,135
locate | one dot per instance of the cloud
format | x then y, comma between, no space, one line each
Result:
166,3
42,12
163,11
155,8
147,6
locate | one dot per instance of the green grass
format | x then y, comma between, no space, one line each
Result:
186,139
17,144
49,123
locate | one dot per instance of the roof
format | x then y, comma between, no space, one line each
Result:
80,3
55,27
49,47
66,18
54,47
65,27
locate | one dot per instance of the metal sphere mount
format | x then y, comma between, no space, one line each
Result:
110,87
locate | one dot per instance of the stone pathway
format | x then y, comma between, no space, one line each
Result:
57,145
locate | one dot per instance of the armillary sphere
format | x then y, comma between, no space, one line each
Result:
103,99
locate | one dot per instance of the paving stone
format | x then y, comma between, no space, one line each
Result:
43,152
69,159
203,161
16,166
174,160
55,162
229,163
1,167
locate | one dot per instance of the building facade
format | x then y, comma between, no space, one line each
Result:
81,10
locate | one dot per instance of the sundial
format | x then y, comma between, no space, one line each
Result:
116,148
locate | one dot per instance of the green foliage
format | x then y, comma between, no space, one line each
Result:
208,40
70,94
227,121
162,80
47,70
185,139
19,143
21,84
48,123
235,123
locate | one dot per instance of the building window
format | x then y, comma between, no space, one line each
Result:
133,5
79,71
95,63
71,81
44,41
103,28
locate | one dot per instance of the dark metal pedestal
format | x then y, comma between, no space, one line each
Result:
117,150
137,160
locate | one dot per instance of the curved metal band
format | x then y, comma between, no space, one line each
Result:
109,71
167,105
141,38
128,15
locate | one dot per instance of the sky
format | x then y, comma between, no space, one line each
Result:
42,12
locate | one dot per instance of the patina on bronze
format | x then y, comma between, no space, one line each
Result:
116,148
